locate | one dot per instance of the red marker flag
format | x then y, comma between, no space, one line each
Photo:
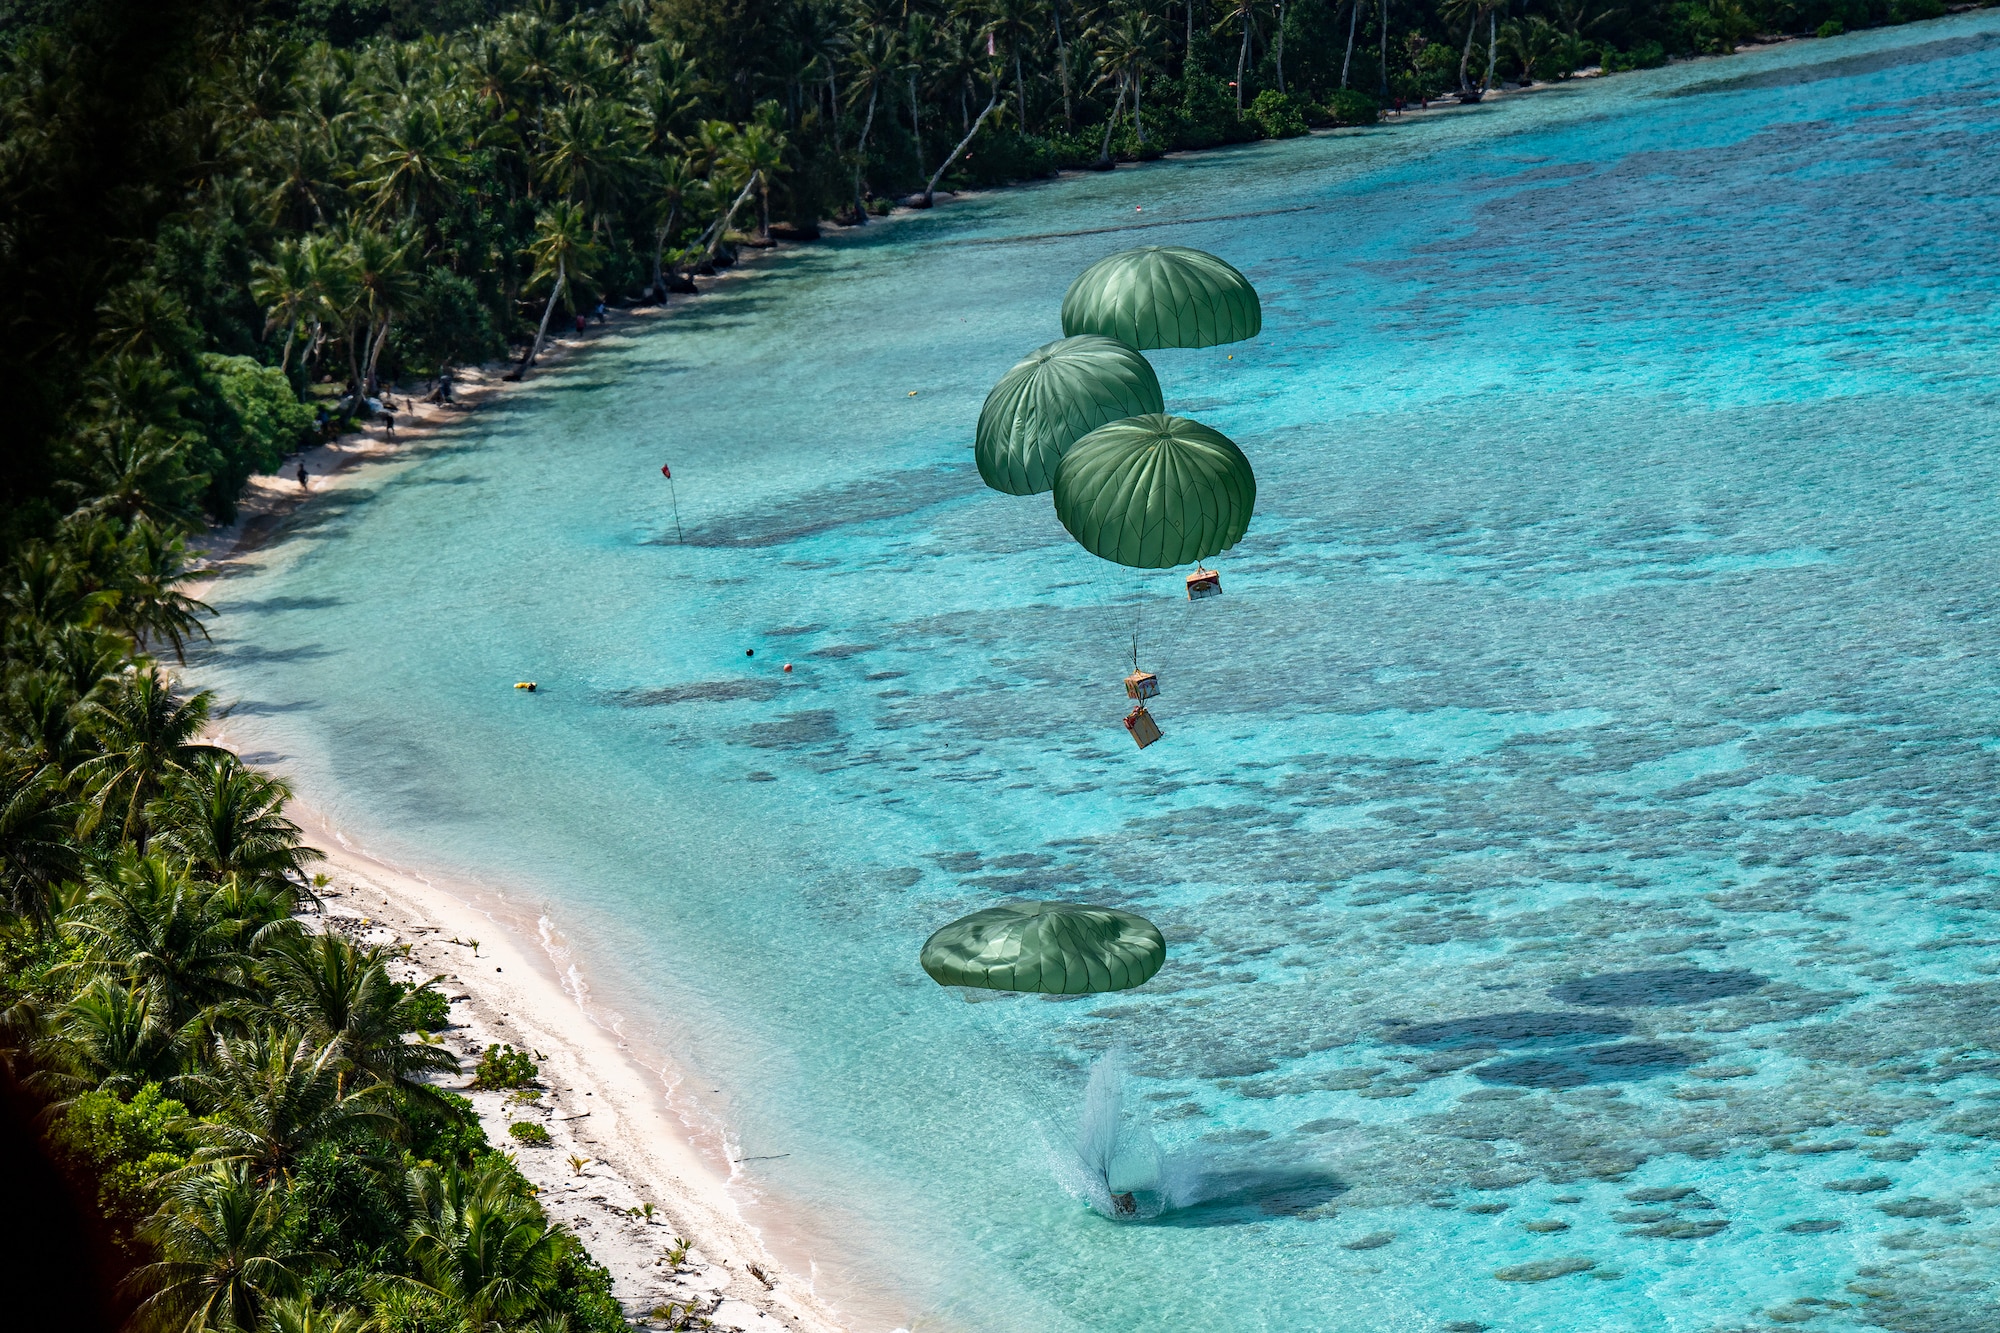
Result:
666,472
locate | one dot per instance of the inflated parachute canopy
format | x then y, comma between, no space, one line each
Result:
1155,491
1163,296
1054,948
1057,394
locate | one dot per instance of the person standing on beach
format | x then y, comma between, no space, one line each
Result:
389,425
304,485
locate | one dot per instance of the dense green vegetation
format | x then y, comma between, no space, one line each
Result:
208,202
246,1099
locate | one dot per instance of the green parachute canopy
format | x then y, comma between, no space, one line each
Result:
1054,396
1155,491
1163,296
1054,948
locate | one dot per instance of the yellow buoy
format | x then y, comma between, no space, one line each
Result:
524,685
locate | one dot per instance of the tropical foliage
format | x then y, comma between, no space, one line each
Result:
252,1102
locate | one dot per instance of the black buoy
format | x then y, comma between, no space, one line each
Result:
749,652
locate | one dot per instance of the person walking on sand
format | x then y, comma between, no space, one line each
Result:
600,312
389,425
304,485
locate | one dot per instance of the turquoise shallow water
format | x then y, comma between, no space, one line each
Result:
1580,808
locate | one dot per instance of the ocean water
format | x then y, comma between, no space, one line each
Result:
1576,826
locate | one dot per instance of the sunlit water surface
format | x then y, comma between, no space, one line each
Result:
1575,827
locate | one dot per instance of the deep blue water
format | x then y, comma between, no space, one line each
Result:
1581,807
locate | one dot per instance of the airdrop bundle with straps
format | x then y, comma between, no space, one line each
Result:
1085,418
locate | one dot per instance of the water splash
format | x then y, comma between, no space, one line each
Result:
1113,1163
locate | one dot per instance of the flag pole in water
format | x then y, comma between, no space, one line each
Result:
667,471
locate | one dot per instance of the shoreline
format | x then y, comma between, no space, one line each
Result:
601,1102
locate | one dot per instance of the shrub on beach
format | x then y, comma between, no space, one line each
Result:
527,1131
1278,115
1344,106
426,1009
504,1067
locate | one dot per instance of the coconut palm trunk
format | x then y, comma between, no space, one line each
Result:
659,249
1020,87
861,160
1277,51
1465,56
1062,65
1243,55
963,144
1385,50
375,354
354,340
542,333
1353,18
1104,157
722,223
916,126
1492,47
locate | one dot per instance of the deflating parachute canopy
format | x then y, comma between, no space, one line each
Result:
1057,394
1163,296
1054,948
1155,491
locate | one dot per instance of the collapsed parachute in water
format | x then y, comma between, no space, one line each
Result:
1163,296
1155,491
1054,948
1055,395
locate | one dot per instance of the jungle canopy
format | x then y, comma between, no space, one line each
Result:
1163,296
1054,948
1155,491
1057,394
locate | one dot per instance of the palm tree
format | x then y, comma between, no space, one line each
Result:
336,992
302,1316
110,1037
147,735
871,62
273,1095
588,155
37,837
1353,18
677,187
669,95
146,922
132,468
563,253
150,606
412,168
1128,50
757,151
226,1248
229,821
284,288
477,1243
384,285
1472,11
1014,25
1242,13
